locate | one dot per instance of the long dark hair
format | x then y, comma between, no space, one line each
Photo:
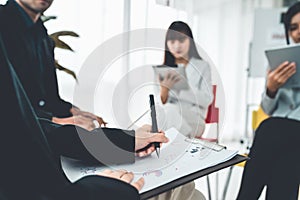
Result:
175,31
292,11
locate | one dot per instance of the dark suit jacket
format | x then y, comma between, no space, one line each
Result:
29,168
30,164
31,52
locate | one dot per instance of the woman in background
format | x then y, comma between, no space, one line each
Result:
275,160
185,109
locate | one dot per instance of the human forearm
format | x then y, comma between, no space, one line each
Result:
63,121
269,103
87,115
164,94
81,121
271,93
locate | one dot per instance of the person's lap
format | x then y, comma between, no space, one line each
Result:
274,161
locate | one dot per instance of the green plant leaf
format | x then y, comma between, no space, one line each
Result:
61,44
58,66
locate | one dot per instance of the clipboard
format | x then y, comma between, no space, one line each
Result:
164,188
178,159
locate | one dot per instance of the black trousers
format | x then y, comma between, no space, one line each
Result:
274,161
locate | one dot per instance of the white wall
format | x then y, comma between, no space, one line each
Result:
95,22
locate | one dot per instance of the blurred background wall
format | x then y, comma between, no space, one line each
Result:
224,29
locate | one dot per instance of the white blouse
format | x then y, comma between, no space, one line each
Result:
199,94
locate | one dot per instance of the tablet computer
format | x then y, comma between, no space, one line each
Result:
291,53
162,70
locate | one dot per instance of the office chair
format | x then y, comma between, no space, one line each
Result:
212,117
257,117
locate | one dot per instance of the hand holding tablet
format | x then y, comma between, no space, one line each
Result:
283,62
172,77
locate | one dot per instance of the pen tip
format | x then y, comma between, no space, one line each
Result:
157,153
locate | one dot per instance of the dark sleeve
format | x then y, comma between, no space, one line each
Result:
43,114
99,187
25,147
62,108
104,145
57,106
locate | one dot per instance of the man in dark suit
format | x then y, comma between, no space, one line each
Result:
31,52
30,151
29,167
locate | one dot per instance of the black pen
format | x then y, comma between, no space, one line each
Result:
154,123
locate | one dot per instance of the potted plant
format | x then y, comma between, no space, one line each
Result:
61,44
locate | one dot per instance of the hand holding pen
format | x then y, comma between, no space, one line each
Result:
155,144
145,139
